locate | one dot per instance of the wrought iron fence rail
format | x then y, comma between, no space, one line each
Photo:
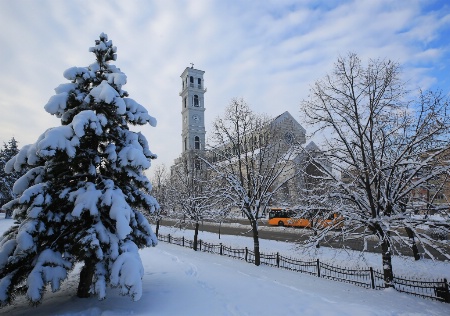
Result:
346,279
233,253
435,289
250,256
292,264
378,280
360,277
368,278
164,238
269,259
207,247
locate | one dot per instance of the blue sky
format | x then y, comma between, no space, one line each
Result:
268,52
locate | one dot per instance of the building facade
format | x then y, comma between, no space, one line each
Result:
193,136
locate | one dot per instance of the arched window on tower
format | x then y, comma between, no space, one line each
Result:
191,79
195,100
199,82
197,142
185,102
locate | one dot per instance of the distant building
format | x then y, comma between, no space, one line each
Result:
434,196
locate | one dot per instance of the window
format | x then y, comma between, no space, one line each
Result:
197,142
195,100
185,102
199,81
289,138
191,79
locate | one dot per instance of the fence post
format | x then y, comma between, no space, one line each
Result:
318,268
169,238
182,241
221,249
372,278
447,294
246,254
200,244
278,260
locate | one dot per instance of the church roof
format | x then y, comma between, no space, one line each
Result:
286,115
311,146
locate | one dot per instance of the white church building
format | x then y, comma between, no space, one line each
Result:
193,133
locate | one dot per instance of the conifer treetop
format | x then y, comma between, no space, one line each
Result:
104,50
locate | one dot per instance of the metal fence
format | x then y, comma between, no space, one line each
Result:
367,278
434,289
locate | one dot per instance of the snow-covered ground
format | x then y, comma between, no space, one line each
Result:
180,281
403,266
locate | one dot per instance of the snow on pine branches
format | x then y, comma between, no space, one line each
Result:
82,197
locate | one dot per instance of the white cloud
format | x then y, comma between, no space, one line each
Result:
268,52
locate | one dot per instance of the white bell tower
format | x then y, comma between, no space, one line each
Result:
192,110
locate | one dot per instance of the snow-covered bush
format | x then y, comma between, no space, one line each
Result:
438,233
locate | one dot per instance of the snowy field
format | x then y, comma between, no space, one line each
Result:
179,281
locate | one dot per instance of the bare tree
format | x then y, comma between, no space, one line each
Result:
251,159
159,182
385,149
190,194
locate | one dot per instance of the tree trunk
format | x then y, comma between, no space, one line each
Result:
157,227
196,236
414,248
256,243
8,214
315,234
387,262
86,276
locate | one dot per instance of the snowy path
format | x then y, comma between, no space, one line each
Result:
179,281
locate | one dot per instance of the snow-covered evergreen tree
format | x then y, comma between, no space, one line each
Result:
81,199
7,180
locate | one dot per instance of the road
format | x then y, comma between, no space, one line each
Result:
241,227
